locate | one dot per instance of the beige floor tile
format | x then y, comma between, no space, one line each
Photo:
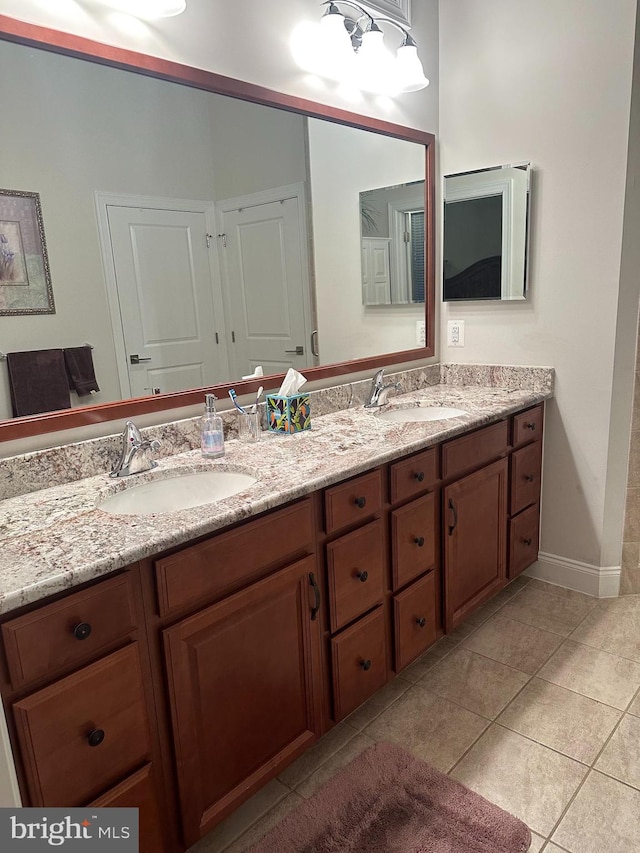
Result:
573,724
613,625
553,848
316,755
537,843
341,758
524,778
549,612
594,673
634,708
621,756
428,660
603,818
260,829
243,818
513,643
562,592
430,727
378,703
479,684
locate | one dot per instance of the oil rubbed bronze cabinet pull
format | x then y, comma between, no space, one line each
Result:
316,608
362,576
365,664
530,425
527,542
360,502
95,737
453,509
419,540
529,478
82,631
421,621
419,476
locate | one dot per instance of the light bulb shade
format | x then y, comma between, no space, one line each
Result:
375,66
409,70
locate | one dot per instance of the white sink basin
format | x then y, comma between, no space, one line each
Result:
421,413
171,494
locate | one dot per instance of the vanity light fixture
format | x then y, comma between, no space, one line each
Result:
350,49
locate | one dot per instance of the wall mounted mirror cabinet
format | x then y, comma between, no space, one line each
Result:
188,258
486,233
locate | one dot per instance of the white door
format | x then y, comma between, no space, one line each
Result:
265,280
376,280
166,300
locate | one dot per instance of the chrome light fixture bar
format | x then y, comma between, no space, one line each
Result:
351,50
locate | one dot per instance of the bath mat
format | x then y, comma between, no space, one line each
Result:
387,801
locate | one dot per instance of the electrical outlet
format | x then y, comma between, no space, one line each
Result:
455,333
421,333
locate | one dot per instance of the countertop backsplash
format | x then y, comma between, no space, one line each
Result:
30,472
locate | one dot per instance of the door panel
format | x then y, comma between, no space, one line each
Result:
262,273
166,296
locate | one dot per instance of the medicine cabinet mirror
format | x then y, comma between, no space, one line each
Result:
486,233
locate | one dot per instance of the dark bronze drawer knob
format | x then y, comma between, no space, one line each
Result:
527,542
419,540
530,425
421,622
82,631
363,576
529,478
419,476
365,664
361,502
95,737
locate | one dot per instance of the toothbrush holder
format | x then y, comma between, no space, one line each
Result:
249,426
288,414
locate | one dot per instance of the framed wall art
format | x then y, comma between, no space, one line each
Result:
25,279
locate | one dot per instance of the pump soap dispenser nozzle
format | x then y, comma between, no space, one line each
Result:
211,433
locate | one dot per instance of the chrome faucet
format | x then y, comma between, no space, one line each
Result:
379,391
134,454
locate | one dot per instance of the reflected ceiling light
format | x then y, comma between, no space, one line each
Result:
147,8
350,48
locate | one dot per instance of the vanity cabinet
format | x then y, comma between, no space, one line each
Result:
77,696
184,683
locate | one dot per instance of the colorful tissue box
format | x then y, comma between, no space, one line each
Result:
288,414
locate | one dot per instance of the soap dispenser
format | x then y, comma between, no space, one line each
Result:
211,433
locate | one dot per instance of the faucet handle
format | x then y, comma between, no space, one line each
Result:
131,434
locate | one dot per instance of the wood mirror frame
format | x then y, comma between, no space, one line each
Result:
32,35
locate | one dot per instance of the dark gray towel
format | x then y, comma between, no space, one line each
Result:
37,382
82,377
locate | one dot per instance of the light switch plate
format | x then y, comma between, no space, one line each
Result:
421,333
455,333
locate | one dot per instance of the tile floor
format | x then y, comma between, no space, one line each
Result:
534,702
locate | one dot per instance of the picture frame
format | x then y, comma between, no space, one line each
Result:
25,277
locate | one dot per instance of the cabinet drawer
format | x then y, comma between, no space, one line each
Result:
526,469
413,539
85,732
413,475
231,560
527,426
359,663
355,565
352,501
68,631
470,451
524,540
138,791
414,614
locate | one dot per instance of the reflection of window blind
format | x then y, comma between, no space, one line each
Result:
417,256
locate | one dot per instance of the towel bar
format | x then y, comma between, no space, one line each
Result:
3,355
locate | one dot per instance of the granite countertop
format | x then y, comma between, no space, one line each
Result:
56,538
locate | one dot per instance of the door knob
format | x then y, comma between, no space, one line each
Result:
135,359
297,351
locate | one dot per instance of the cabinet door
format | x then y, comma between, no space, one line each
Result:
242,692
413,540
475,527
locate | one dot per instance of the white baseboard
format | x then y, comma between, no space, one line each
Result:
600,581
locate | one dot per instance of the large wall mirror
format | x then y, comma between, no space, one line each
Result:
486,233
197,227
